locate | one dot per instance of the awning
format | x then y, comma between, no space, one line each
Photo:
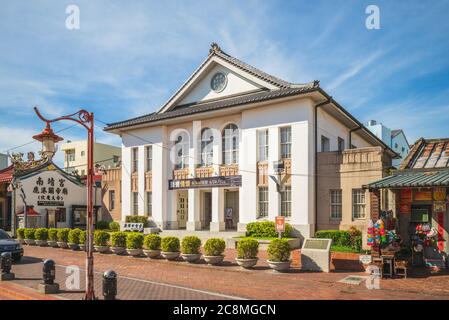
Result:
403,179
30,212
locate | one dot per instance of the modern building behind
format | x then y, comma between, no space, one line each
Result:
395,139
3,161
235,145
75,156
111,182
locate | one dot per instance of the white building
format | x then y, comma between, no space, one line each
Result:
3,161
206,159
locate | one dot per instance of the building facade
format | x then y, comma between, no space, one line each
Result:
75,156
233,145
3,161
111,182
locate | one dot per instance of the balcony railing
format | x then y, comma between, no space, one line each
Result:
179,174
204,172
229,170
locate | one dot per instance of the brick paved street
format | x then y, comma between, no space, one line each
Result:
142,278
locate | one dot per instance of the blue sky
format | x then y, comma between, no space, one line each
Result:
129,57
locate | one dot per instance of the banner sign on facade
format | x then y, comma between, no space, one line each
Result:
210,182
439,194
425,195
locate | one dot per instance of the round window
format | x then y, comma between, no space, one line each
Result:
218,82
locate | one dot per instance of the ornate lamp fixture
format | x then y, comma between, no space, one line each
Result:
49,140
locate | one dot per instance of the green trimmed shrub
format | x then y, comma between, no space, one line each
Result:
63,234
53,234
346,238
266,229
101,238
74,236
41,234
152,242
114,226
214,247
102,225
118,239
21,233
82,237
247,248
170,244
134,240
138,219
30,233
279,250
191,245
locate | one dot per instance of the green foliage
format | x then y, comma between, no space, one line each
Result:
21,233
74,236
170,244
138,219
214,247
279,250
191,245
134,240
266,229
101,238
102,225
41,234
152,242
82,237
351,238
118,239
247,248
30,233
63,234
114,226
53,234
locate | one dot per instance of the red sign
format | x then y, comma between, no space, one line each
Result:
280,224
440,218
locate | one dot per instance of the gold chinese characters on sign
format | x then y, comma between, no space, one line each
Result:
439,194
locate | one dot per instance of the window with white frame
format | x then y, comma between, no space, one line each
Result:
336,205
230,144
262,140
286,202
182,151
149,204
148,158
70,155
262,202
207,143
358,203
135,203
134,160
286,142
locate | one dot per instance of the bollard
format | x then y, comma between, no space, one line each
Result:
6,264
48,277
109,285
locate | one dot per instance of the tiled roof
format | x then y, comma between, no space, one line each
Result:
6,174
428,154
408,178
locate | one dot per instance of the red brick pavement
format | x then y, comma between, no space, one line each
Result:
13,291
261,283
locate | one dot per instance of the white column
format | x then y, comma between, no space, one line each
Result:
217,223
194,218
274,199
126,182
159,178
141,180
217,154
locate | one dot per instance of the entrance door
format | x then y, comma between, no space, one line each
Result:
51,218
182,209
232,209
207,209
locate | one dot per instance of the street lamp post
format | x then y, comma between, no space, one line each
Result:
86,119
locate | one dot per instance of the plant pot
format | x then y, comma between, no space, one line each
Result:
191,257
62,245
213,260
153,254
101,249
41,243
82,247
118,250
134,252
279,266
170,255
52,243
247,263
73,246
30,242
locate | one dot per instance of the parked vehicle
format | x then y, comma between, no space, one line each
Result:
8,244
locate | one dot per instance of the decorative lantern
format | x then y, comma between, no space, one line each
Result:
48,139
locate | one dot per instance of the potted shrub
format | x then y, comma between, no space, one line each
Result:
152,244
101,239
41,236
82,240
21,235
74,238
114,226
170,248
102,225
118,242
134,243
279,255
30,236
63,237
190,248
52,237
247,253
213,251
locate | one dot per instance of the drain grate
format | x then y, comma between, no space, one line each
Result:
355,280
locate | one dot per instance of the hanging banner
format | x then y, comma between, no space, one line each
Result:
439,194
405,208
424,195
440,218
439,206
406,195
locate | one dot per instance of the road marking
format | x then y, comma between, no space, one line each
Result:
170,285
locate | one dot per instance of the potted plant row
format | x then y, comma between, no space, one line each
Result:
279,255
118,242
213,251
52,240
134,244
152,244
190,249
247,250
29,235
63,237
41,236
74,238
101,239
170,248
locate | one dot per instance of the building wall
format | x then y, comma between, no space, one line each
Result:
111,181
399,145
3,161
